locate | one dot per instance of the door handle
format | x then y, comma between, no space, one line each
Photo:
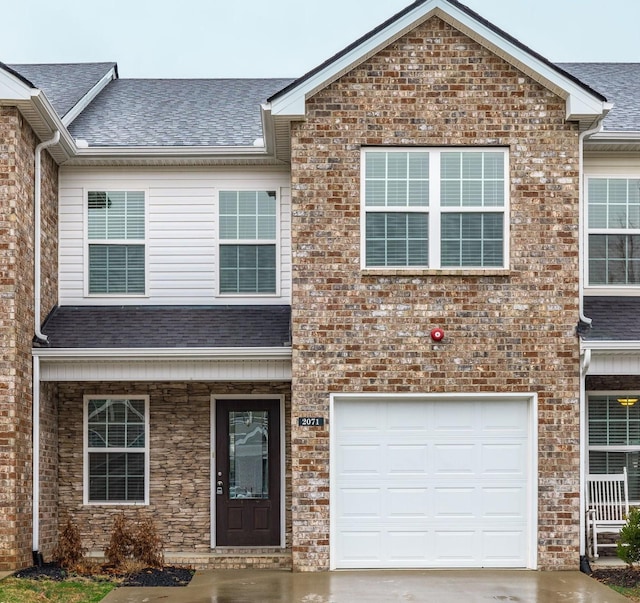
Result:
219,487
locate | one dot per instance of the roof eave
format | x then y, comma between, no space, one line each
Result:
583,104
79,354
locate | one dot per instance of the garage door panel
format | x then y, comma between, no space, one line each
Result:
464,419
431,484
502,418
459,459
364,459
455,503
504,503
361,503
505,458
411,459
408,502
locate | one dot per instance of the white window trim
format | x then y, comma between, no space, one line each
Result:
212,443
276,241
434,210
618,290
85,454
86,241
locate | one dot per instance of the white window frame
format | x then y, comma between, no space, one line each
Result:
88,242
434,210
275,242
87,450
604,289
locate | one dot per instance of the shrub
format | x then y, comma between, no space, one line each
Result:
141,543
69,552
628,547
120,545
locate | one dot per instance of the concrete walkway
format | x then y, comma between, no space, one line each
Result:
433,586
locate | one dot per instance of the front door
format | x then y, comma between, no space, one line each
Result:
247,474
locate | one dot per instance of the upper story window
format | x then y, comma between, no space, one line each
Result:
248,242
116,450
116,242
435,208
614,231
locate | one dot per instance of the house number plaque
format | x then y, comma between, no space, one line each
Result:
311,422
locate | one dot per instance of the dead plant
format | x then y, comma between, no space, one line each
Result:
120,546
147,543
69,551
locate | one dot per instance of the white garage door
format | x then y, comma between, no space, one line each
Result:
431,483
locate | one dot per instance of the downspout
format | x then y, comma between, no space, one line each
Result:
585,359
41,338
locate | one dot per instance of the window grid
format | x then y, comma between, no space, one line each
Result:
613,231
116,234
469,190
247,242
116,468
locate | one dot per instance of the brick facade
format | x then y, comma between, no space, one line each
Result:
362,331
17,145
180,457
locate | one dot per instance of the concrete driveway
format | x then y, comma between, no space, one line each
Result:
432,586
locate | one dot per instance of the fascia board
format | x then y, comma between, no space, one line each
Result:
78,354
84,102
150,151
579,101
12,88
613,136
610,346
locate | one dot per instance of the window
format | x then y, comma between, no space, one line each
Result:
248,241
116,251
614,231
614,437
435,208
116,459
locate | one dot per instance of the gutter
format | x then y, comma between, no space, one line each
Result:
40,337
76,354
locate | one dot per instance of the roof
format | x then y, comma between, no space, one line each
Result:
65,83
182,112
614,318
620,83
119,327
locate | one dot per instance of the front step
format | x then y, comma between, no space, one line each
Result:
231,558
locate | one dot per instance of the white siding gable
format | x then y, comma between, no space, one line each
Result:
182,230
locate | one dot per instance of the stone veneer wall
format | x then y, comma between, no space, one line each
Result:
362,331
180,456
17,145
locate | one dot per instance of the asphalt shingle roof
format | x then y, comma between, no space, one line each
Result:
168,326
64,84
186,112
614,318
620,83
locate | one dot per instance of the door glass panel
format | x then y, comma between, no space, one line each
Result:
249,454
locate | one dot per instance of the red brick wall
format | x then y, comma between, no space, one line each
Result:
17,145
356,331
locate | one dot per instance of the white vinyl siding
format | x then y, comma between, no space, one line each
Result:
435,208
116,450
181,236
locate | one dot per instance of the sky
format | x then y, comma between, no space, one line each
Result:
281,38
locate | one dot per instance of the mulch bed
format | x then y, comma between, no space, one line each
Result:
167,576
618,576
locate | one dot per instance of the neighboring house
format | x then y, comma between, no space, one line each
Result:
242,286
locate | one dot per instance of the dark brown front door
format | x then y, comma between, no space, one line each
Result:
247,480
